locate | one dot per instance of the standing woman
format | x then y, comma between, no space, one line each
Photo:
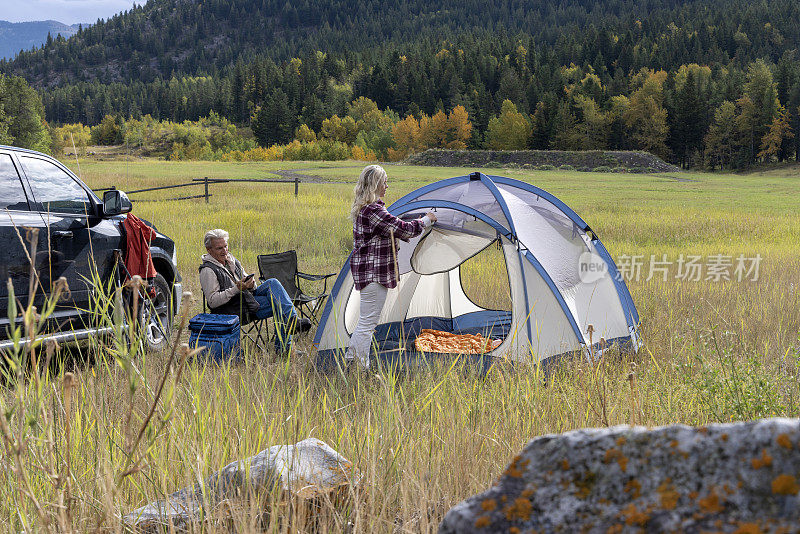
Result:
372,262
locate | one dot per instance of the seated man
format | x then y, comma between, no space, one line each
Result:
229,290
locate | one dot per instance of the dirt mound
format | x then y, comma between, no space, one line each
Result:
590,160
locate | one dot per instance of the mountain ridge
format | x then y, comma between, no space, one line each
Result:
166,38
19,36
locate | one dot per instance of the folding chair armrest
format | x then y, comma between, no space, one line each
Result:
314,277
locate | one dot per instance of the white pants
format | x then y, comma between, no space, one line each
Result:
372,299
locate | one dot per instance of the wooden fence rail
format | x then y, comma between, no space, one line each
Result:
206,182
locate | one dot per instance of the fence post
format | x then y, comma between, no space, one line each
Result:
296,183
205,182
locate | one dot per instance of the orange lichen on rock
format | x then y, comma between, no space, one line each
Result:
748,528
669,497
785,485
634,487
483,521
621,441
564,465
528,493
784,441
724,437
764,461
583,491
703,429
489,504
673,443
514,530
520,509
615,454
633,516
614,529
610,455
513,470
711,504
693,495
623,463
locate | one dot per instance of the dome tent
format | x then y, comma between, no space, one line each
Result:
561,277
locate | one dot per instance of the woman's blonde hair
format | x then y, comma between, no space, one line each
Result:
366,191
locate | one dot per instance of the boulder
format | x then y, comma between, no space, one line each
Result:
740,477
307,469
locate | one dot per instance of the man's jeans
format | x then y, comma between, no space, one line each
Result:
273,300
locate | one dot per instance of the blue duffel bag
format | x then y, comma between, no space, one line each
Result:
220,335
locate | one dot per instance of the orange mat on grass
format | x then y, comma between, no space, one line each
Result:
438,341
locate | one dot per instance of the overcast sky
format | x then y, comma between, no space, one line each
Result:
66,11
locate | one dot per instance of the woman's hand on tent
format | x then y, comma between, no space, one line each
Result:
431,216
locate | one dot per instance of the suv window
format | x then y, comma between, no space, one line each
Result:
12,196
54,189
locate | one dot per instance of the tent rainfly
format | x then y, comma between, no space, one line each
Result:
562,279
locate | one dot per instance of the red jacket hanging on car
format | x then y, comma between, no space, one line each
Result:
137,247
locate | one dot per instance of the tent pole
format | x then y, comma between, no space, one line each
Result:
394,257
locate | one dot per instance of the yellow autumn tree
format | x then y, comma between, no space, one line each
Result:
406,135
646,117
337,129
432,130
459,128
510,130
450,131
304,134
773,139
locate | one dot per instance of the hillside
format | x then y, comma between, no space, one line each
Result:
16,36
695,83
586,160
183,37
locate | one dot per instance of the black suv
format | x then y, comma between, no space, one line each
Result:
77,231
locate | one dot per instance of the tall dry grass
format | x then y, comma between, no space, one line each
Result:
714,351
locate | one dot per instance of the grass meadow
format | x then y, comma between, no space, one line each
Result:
715,351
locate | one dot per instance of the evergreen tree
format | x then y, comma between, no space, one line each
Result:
273,122
688,121
720,140
22,122
761,105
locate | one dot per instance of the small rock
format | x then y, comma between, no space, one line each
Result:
306,469
740,477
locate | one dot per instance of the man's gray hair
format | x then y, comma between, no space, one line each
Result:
216,233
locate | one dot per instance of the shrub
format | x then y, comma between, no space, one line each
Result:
108,132
566,168
545,167
358,153
602,168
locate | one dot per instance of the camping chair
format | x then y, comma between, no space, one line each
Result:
283,267
256,331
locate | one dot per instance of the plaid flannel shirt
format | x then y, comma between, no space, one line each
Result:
372,247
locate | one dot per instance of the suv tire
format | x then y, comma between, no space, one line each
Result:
156,317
